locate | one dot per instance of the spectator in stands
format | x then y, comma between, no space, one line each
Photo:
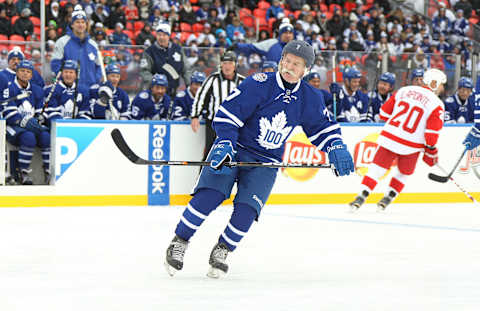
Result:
234,28
460,27
117,15
10,8
23,26
77,45
5,24
322,24
221,11
336,25
186,14
118,36
384,46
144,35
420,60
274,10
206,37
443,46
441,23
22,4
460,107
99,15
295,5
131,11
465,6
222,40
88,7
164,57
202,12
143,10
271,49
109,96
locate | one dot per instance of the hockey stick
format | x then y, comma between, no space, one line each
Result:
115,113
19,96
127,152
334,80
444,179
379,63
75,93
409,67
52,90
458,186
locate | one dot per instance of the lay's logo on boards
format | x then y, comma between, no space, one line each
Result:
70,143
364,153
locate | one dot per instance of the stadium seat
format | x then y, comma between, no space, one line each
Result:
197,27
323,7
14,19
247,21
36,30
138,25
332,7
259,13
184,36
16,38
264,5
129,26
350,6
3,38
271,21
297,14
185,27
108,31
35,21
129,33
244,12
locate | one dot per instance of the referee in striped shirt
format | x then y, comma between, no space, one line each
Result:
212,93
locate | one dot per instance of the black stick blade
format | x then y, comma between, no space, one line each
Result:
438,178
123,147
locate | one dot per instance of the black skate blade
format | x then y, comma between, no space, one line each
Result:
438,178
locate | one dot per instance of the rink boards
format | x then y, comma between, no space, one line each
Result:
89,169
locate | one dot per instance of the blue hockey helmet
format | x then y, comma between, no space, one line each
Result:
417,73
387,77
351,73
112,68
465,82
15,52
198,77
26,64
159,79
70,64
312,75
269,64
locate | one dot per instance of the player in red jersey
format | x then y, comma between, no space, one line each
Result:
413,119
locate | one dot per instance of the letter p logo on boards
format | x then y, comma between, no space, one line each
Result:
70,143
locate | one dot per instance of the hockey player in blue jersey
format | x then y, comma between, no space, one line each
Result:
68,100
376,98
352,104
416,77
269,66
14,57
313,78
107,96
252,124
182,104
459,107
23,129
472,140
153,104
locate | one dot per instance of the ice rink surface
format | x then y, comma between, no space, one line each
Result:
412,257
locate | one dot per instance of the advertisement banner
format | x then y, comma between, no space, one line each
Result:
159,175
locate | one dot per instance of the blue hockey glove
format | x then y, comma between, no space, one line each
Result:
32,125
339,156
222,152
473,139
335,88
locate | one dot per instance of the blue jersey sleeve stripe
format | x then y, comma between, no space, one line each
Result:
225,120
231,116
325,130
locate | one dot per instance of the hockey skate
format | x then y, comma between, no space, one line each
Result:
47,176
218,267
26,178
385,201
359,200
175,252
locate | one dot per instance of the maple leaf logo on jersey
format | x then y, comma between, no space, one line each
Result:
260,77
272,135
